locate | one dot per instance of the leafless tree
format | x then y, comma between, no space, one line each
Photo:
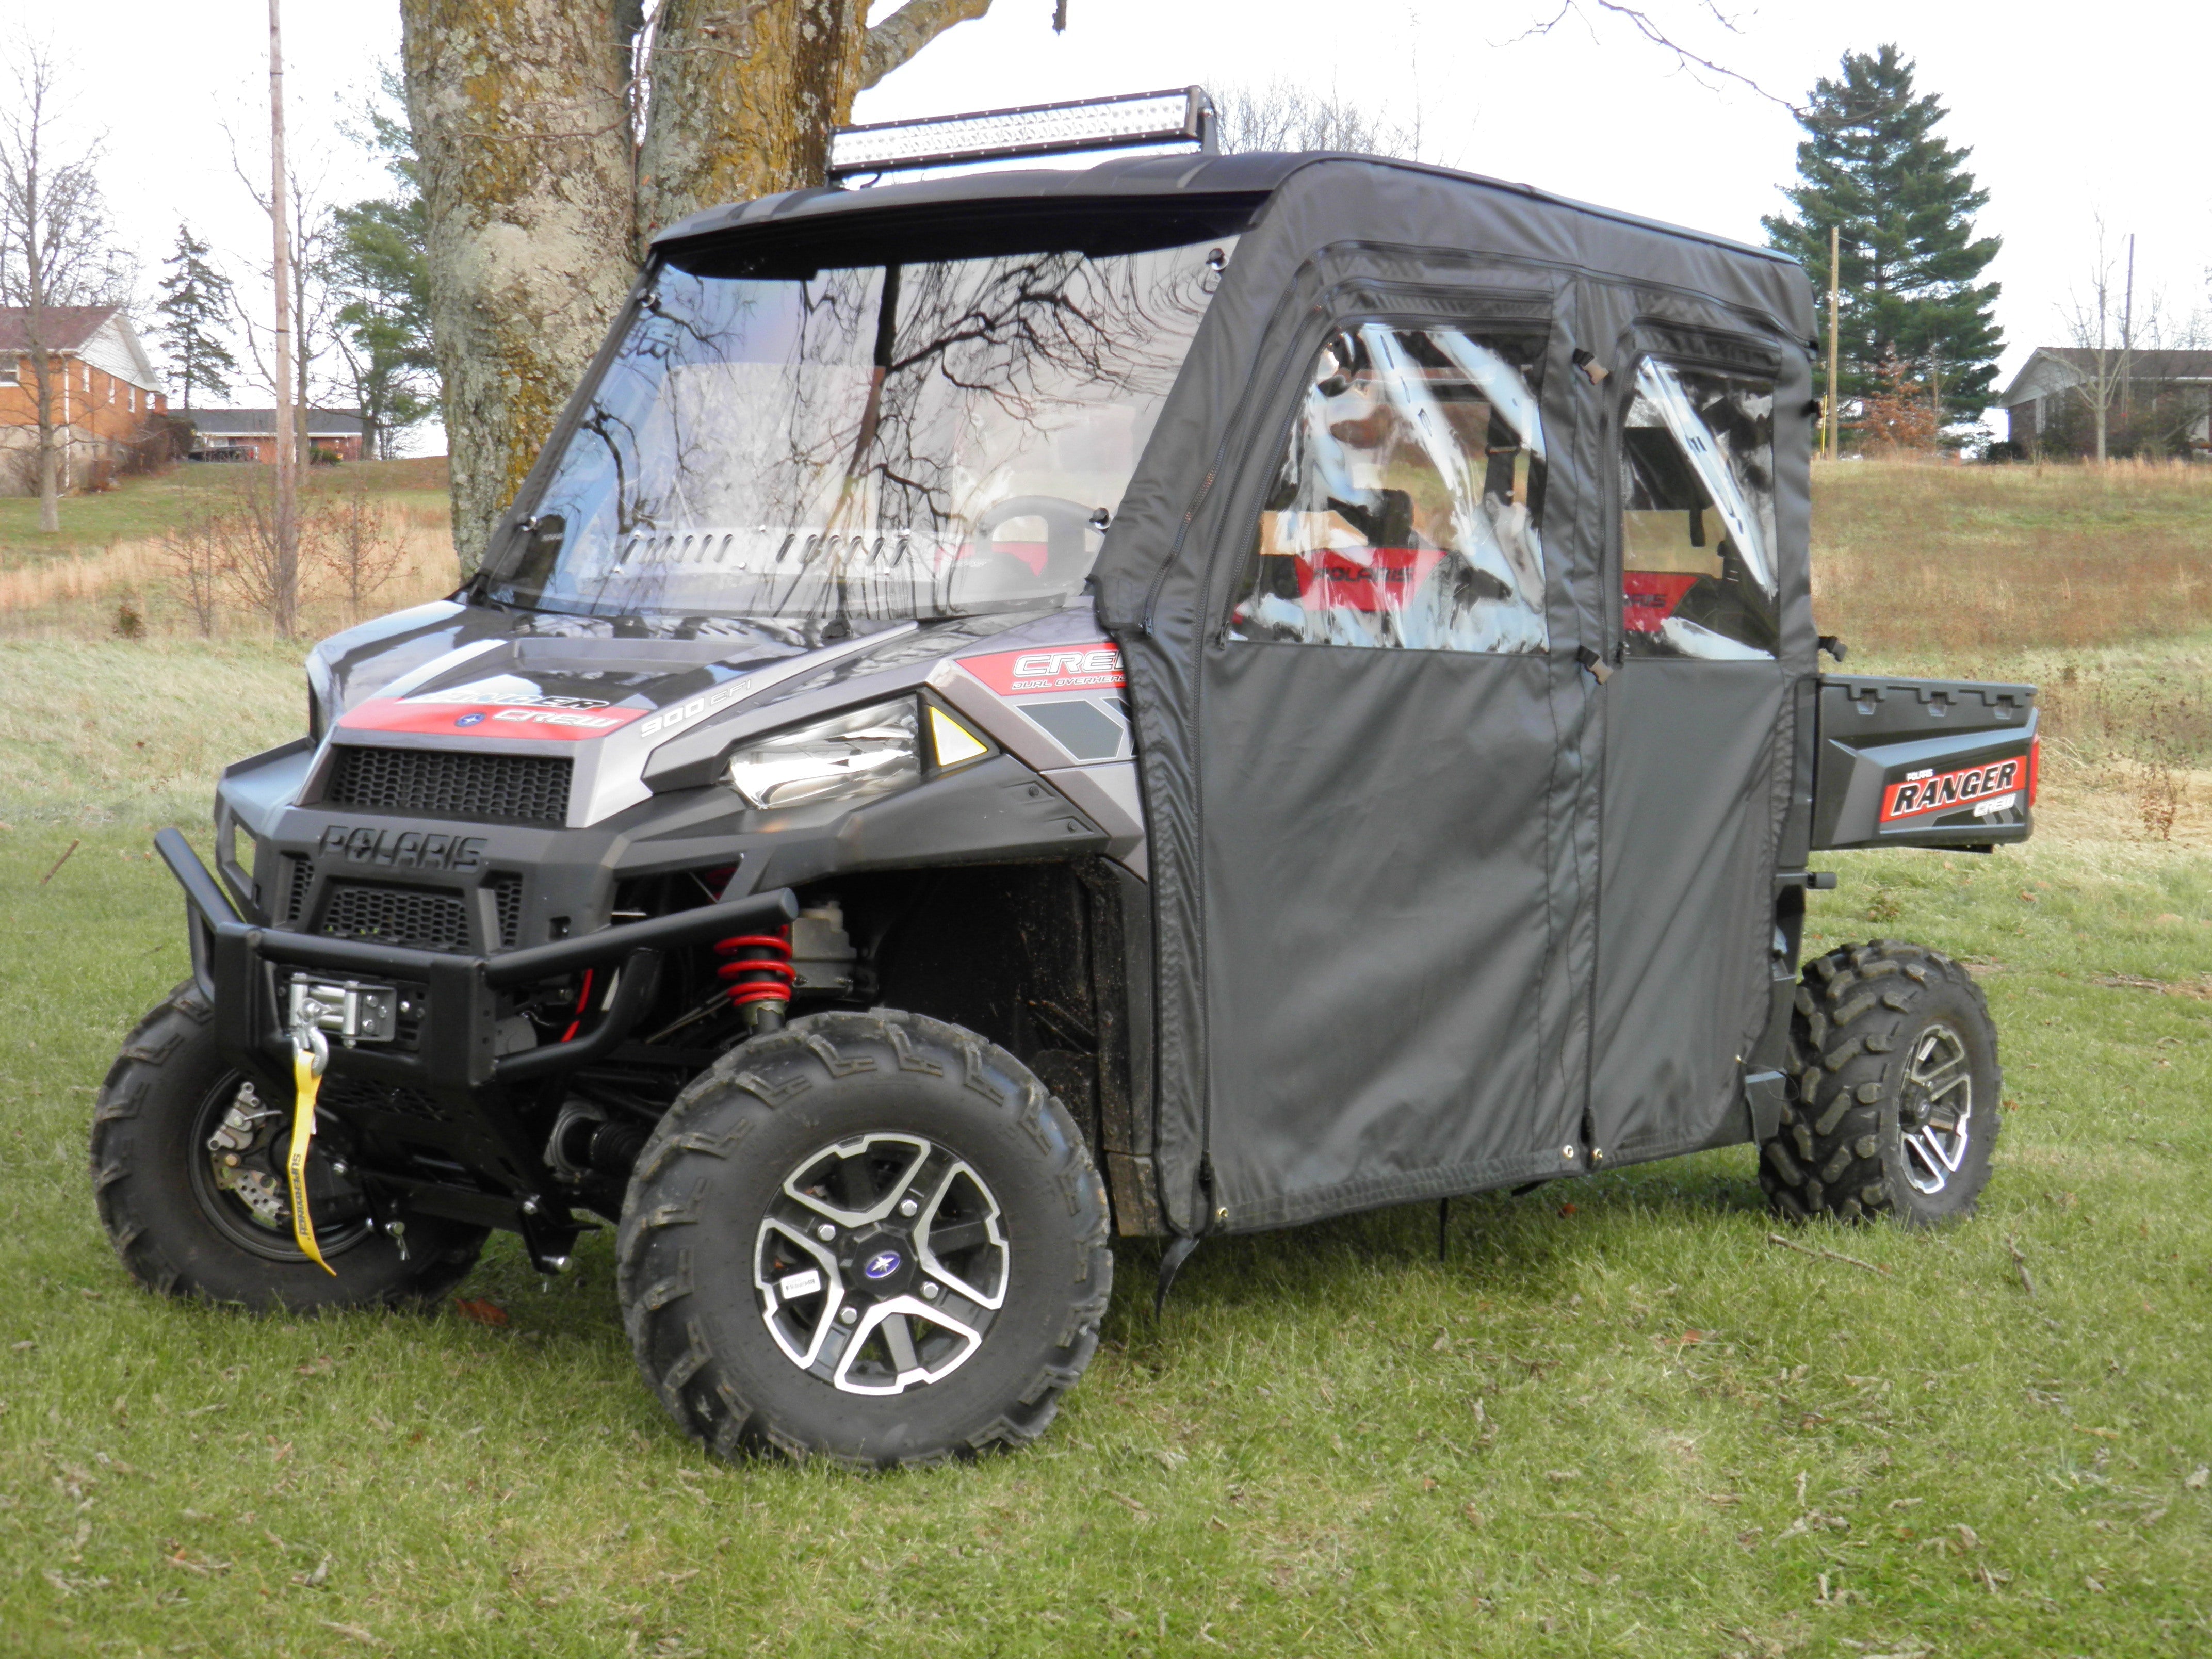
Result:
354,536
1282,115
264,567
2092,320
55,249
1653,32
199,549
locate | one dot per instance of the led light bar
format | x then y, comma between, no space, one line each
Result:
1184,115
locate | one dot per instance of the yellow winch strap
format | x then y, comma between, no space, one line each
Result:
305,1086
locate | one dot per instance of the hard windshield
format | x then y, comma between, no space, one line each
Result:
868,444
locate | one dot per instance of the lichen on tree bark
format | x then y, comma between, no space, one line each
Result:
521,117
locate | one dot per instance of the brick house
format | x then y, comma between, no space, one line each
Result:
250,435
2160,404
106,393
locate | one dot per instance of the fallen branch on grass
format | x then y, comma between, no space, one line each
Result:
1831,1256
58,862
2020,1262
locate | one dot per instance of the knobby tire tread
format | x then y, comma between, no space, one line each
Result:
175,1022
653,1271
1853,1005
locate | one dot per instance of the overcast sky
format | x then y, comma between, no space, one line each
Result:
2070,112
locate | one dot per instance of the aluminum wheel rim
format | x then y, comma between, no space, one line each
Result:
1936,1111
881,1264
231,1214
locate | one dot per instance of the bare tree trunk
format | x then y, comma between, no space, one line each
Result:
302,355
283,610
42,376
521,118
32,231
744,97
2103,401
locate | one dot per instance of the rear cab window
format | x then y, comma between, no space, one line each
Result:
1696,533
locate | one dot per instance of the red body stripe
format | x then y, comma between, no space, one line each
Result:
484,719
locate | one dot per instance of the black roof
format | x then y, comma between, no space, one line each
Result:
1131,188
249,422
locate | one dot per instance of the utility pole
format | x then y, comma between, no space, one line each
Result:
1833,416
284,440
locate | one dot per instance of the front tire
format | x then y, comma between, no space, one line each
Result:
191,1220
1894,1106
873,1238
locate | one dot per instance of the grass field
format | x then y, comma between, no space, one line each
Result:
116,570
1619,1419
142,506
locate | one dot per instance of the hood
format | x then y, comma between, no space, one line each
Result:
603,695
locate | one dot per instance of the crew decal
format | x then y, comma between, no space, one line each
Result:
462,694
1989,789
435,715
1093,665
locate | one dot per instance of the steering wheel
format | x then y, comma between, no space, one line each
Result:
1065,521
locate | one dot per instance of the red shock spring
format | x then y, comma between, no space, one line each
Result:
757,970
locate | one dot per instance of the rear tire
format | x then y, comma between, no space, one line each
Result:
180,1234
1893,1105
872,1238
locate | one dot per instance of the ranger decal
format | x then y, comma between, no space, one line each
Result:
1926,792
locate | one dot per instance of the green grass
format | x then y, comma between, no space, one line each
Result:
1617,1420
139,507
134,731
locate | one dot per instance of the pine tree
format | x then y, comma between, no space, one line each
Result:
1874,166
195,306
380,265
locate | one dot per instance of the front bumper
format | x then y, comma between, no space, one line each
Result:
455,1095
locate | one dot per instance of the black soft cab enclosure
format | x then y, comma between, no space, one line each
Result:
1466,606
1193,695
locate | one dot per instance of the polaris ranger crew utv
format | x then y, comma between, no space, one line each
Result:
1194,694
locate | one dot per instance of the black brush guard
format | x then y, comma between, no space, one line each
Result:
468,1089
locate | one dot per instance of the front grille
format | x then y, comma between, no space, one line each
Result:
506,894
344,1093
448,783
300,878
419,918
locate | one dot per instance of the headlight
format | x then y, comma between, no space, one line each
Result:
849,757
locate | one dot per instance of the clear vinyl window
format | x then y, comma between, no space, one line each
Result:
1405,515
862,444
1696,533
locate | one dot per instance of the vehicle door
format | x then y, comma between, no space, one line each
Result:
1382,790
1695,720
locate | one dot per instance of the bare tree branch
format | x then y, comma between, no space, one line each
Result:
1697,65
55,246
913,25
1282,115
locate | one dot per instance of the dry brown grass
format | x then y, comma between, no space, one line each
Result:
1914,562
80,598
2095,583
